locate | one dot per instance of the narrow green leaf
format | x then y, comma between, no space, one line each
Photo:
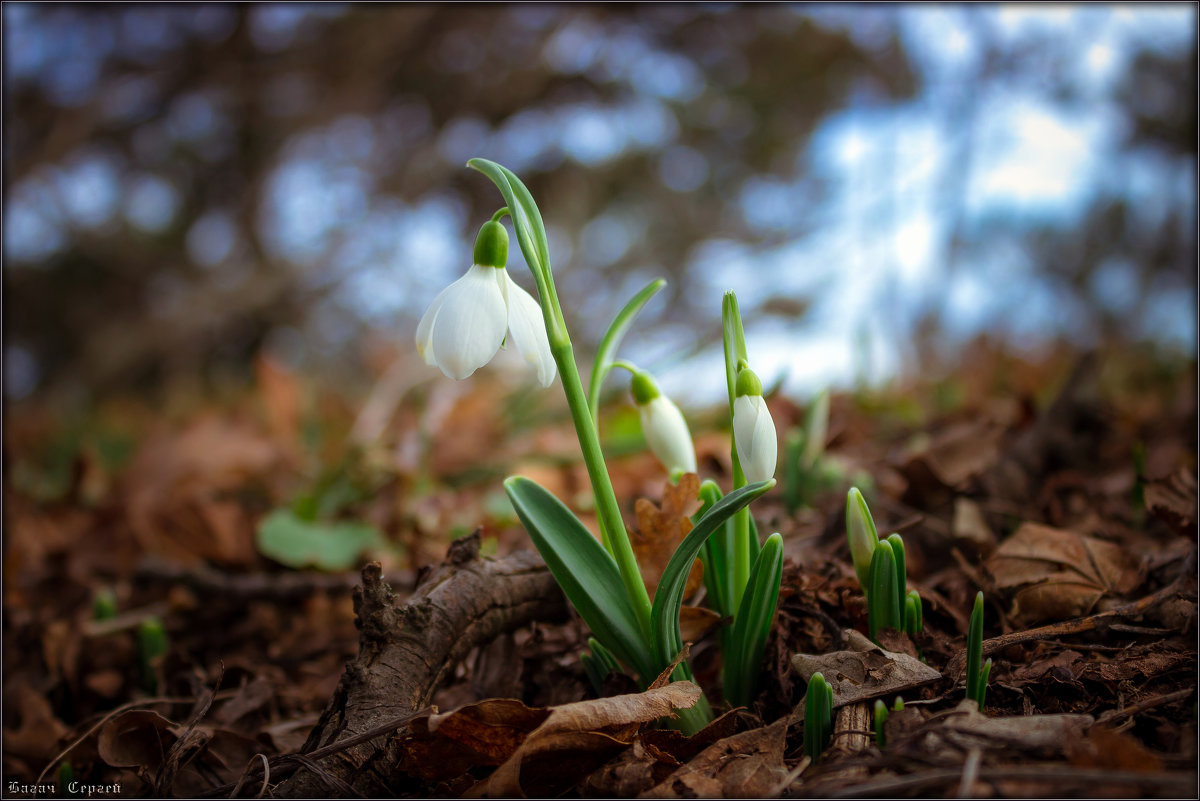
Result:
974,647
716,554
612,341
881,599
901,578
981,685
664,615
751,627
586,572
914,616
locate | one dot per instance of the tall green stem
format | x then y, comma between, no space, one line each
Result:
607,508
735,350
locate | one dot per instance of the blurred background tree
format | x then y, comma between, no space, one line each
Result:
188,185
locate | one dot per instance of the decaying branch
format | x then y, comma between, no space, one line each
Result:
406,650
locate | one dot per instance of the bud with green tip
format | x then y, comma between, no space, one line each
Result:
818,715
861,535
753,429
663,426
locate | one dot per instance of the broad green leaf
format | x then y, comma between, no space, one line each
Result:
748,638
664,615
584,570
295,542
612,341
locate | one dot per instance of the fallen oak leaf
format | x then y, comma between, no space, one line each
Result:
660,529
1056,574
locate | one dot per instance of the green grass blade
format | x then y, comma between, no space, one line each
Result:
981,685
612,341
664,615
751,627
585,571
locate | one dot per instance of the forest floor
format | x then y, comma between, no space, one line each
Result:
180,588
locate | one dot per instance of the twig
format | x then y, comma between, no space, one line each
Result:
969,772
1080,625
246,775
1141,706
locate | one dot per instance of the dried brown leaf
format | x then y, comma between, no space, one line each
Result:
1056,574
576,738
863,672
660,529
746,765
136,738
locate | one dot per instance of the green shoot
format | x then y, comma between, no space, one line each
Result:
598,663
977,677
818,716
152,645
104,604
881,716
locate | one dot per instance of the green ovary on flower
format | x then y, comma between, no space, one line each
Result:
466,324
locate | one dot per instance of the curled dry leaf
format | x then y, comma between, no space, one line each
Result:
863,672
1056,574
660,529
136,738
576,738
1173,499
538,751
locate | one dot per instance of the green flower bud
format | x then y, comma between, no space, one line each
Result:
643,388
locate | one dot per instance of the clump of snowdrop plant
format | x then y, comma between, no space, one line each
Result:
882,572
465,327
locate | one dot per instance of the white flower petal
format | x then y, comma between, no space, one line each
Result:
755,438
425,328
667,434
528,329
470,324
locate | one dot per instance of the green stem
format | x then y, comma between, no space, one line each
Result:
607,508
735,350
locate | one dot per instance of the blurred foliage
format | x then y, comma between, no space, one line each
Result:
193,183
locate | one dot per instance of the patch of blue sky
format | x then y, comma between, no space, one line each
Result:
89,188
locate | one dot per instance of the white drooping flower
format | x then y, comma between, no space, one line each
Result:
663,426
753,429
467,322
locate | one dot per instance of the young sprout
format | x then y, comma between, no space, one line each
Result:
881,716
598,664
861,535
663,426
152,644
104,604
467,322
818,716
977,677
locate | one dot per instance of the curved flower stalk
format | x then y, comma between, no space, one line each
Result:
467,323
663,426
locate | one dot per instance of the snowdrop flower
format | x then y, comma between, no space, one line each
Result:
663,425
466,324
860,534
753,429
